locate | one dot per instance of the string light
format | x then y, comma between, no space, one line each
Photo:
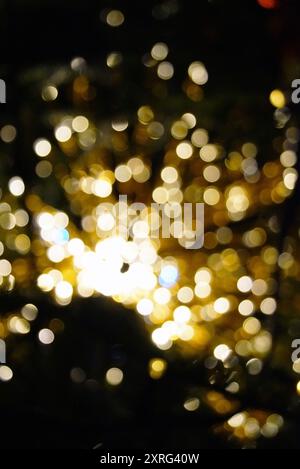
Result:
204,302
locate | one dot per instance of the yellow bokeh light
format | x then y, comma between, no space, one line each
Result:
165,70
189,119
159,51
123,173
184,150
80,124
5,267
192,404
115,18
185,295
16,186
46,336
202,290
6,373
277,98
162,296
244,284
211,196
208,153
222,305
157,367
246,308
222,352
169,174
251,326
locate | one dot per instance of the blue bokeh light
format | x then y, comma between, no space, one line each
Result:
168,276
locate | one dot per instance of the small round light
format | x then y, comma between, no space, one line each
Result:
145,307
6,373
165,70
184,150
16,186
63,133
46,336
80,124
42,147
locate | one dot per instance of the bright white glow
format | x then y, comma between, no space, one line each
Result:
63,133
145,307
16,186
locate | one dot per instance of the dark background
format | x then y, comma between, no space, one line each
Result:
248,51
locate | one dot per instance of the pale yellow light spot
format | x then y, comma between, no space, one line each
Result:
80,124
42,147
162,296
16,186
49,93
211,196
198,73
222,352
165,70
184,150
191,404
114,376
185,295
159,51
115,18
63,133
169,174
123,173
277,98
6,373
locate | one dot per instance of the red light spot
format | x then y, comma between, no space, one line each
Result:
268,3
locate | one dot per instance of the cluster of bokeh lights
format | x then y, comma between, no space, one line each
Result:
214,302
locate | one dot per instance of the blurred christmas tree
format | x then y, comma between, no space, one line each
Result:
209,344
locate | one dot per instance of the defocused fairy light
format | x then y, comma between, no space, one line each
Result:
191,404
42,147
115,18
63,133
49,93
268,3
16,186
165,70
277,98
6,373
8,133
114,376
46,336
159,51
198,73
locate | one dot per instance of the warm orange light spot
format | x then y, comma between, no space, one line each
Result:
267,3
